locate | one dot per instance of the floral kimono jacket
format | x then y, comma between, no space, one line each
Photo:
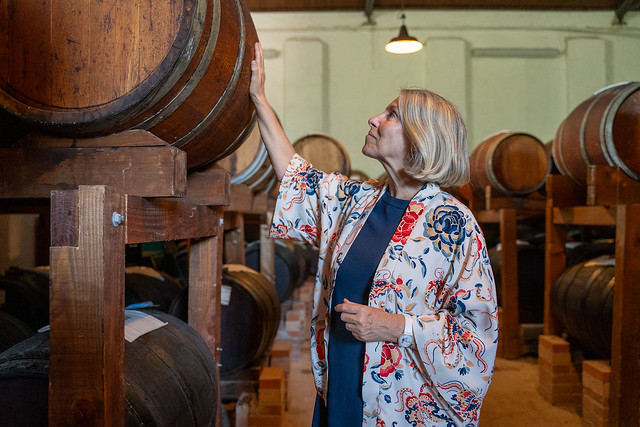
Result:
435,269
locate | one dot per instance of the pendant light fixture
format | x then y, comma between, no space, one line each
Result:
404,43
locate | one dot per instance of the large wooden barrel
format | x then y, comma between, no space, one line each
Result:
142,284
170,379
530,280
179,69
324,152
286,267
511,163
602,130
25,295
249,317
12,331
582,301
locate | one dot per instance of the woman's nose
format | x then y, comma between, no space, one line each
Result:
373,121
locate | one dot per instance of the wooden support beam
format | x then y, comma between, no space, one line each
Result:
510,323
625,341
86,368
554,262
135,161
585,215
154,220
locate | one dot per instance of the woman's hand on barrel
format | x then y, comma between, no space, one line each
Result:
370,324
256,87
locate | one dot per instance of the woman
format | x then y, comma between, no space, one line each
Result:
404,324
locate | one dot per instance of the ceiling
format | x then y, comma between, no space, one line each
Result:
350,5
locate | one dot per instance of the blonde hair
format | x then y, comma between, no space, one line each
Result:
437,136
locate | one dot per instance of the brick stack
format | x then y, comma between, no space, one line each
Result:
271,398
559,378
281,358
595,393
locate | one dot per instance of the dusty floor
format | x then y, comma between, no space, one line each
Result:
513,399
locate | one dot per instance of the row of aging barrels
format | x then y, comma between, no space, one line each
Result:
602,130
169,372
581,298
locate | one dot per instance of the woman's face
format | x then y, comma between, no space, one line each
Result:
385,140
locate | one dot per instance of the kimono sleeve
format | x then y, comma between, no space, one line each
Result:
308,203
458,344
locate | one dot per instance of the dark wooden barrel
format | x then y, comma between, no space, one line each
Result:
25,295
249,317
324,152
12,331
170,379
286,267
179,69
601,130
577,252
530,280
511,163
250,164
582,301
147,284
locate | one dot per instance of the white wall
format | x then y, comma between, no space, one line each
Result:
522,71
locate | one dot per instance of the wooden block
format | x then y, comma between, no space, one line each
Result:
281,349
259,420
271,378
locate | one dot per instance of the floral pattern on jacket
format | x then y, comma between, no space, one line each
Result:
435,269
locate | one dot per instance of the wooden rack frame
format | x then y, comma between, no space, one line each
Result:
505,211
105,193
611,199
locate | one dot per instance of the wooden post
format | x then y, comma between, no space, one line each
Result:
267,250
554,257
87,307
625,342
510,324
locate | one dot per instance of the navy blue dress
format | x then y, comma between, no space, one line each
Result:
353,281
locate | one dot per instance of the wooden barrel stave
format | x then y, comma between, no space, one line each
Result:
582,301
250,315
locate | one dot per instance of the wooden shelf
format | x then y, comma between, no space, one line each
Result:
610,199
105,193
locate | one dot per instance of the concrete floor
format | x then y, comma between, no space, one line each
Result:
513,399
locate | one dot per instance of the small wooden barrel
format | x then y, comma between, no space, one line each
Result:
603,130
179,69
170,379
582,301
511,163
12,331
143,284
250,164
324,152
286,267
249,317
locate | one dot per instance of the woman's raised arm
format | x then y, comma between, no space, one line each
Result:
278,145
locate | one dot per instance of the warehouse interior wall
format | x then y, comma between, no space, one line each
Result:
505,70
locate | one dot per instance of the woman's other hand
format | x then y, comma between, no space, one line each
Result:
370,324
